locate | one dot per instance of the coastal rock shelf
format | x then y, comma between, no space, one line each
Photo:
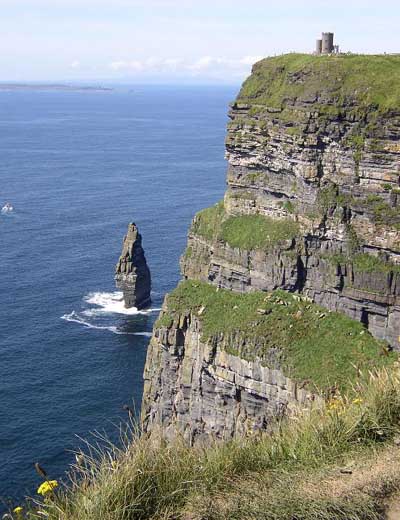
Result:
312,210
132,274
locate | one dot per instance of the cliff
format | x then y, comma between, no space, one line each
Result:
289,296
132,274
221,363
312,208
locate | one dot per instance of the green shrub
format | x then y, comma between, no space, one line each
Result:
289,206
382,212
374,264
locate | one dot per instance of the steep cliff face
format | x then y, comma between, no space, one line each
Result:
202,390
132,274
312,208
313,142
217,381
222,363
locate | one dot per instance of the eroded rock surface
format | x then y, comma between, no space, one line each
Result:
314,141
132,275
196,388
329,160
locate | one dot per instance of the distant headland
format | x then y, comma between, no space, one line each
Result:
53,86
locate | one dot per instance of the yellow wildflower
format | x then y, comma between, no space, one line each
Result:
47,487
18,510
336,403
358,400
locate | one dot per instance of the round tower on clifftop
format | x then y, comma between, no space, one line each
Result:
327,43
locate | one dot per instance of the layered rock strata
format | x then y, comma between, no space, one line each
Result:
196,388
132,275
222,363
318,268
312,207
328,159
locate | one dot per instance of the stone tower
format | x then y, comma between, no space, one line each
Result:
325,45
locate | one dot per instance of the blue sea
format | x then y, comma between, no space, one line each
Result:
78,167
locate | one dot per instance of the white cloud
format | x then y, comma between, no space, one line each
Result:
134,65
173,62
75,64
206,62
202,65
149,64
209,63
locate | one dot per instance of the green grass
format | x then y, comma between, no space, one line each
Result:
294,131
370,80
257,231
245,231
373,264
310,344
292,473
208,221
382,212
364,262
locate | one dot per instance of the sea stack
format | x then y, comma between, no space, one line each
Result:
132,274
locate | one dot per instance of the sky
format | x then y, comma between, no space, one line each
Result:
178,41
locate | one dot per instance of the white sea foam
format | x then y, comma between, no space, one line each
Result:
74,317
111,303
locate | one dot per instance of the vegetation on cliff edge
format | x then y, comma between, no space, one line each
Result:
334,462
364,263
312,345
369,80
245,232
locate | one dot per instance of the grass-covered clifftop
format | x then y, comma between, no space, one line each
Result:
243,231
369,80
319,348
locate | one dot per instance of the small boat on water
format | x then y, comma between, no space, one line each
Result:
7,208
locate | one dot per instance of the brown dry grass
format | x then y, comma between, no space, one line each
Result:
371,481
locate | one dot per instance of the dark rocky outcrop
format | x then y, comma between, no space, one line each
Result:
132,274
